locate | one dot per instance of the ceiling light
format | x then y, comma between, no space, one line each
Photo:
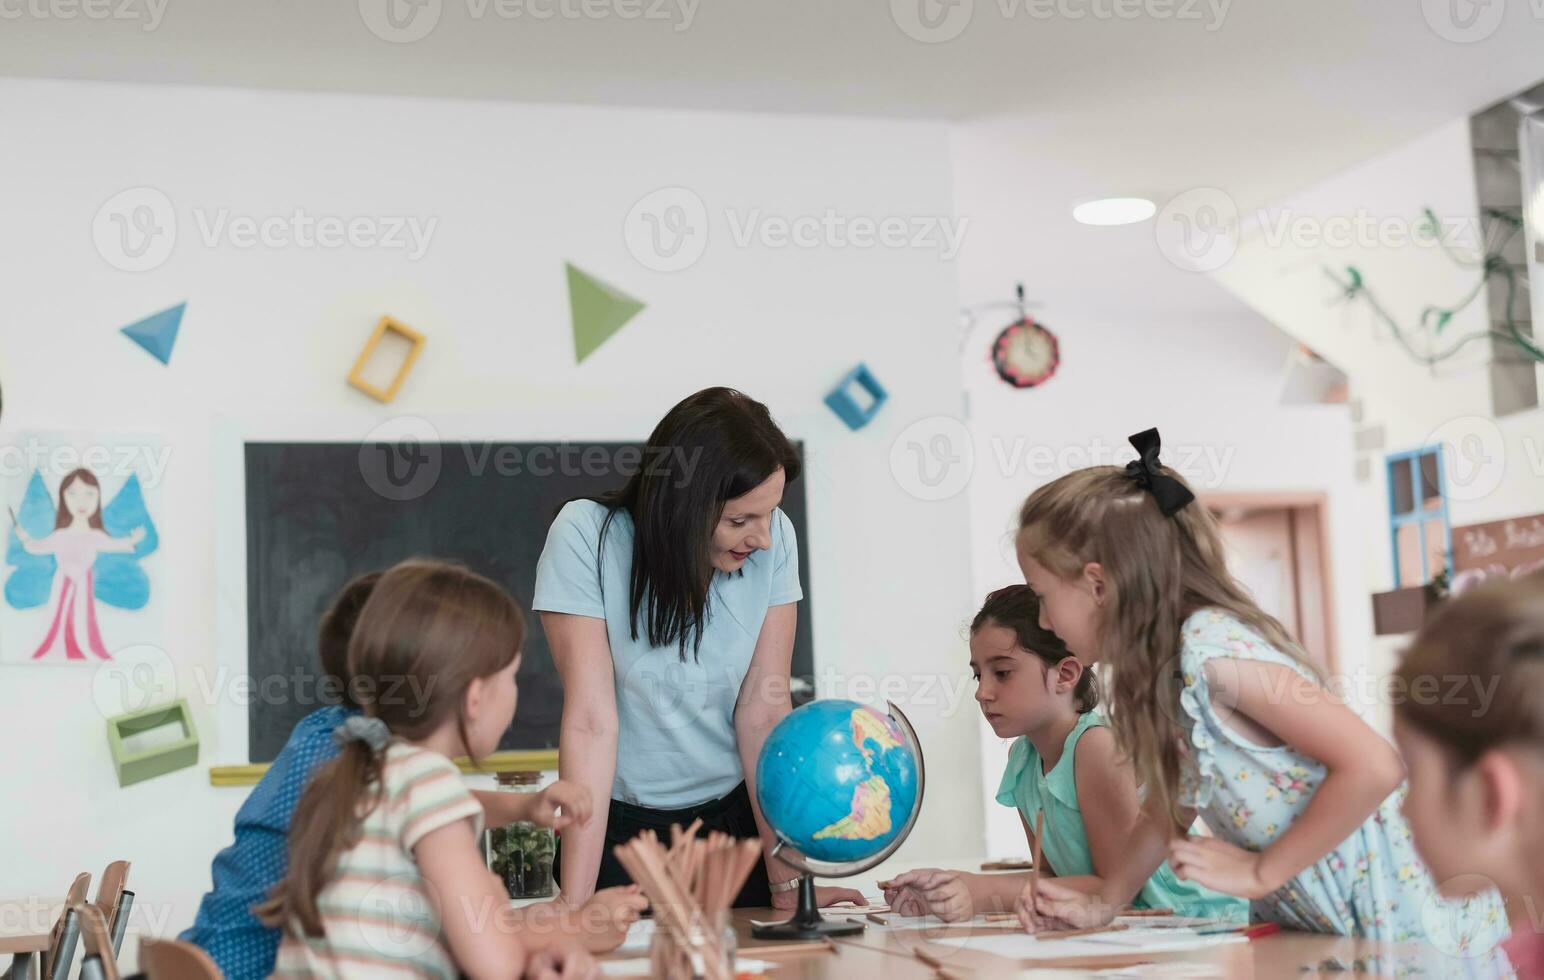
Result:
1115,211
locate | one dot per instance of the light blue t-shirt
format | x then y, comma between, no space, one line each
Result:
676,744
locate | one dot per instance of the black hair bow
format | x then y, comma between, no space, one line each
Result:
1148,473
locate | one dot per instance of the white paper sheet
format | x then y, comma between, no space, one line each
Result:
893,922
1164,939
1169,921
639,935
1163,971
639,967
1020,946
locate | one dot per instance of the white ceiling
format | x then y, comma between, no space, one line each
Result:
1327,81
1259,97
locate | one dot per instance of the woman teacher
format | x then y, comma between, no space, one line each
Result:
670,607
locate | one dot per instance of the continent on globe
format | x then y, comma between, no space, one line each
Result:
869,725
870,816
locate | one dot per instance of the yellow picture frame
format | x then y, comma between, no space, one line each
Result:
356,376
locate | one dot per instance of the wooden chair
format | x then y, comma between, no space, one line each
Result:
99,943
66,931
78,889
120,923
61,948
172,959
110,892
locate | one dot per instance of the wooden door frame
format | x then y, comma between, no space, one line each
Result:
1314,501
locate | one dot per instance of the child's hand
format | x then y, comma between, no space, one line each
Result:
573,799
563,961
823,897
136,536
1058,907
1219,866
932,891
606,917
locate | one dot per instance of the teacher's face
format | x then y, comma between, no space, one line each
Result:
745,526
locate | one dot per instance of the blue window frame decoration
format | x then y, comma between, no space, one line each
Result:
1420,534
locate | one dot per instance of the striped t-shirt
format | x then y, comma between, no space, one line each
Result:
375,910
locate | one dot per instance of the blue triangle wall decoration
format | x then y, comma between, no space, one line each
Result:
157,333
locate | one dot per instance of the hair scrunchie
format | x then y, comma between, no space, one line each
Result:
359,728
1148,473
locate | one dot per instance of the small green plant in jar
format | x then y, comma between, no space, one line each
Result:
521,853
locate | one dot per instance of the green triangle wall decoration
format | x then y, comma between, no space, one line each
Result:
598,309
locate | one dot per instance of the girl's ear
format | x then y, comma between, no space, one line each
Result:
473,698
1504,789
1093,578
1068,673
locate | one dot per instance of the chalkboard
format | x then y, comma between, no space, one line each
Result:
318,514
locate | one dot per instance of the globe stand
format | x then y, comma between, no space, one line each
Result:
807,922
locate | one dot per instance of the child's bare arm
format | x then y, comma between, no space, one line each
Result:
599,925
560,805
470,902
1362,769
1107,795
1145,849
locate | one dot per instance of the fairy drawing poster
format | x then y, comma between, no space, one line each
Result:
80,529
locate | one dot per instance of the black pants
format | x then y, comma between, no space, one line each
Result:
731,815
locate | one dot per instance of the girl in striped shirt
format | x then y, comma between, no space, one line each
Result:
385,874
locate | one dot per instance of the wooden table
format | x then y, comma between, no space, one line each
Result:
888,954
26,925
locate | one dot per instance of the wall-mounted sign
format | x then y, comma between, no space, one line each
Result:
1499,549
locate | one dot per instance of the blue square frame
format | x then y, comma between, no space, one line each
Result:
846,407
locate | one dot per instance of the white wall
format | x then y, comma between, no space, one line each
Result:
1142,344
515,192
1494,467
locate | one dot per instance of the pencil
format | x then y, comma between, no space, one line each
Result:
1253,931
884,951
1035,850
934,962
875,918
1005,866
1143,913
1069,933
773,949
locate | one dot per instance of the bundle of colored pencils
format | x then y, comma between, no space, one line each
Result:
691,886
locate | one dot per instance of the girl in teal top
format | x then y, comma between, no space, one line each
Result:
1032,789
1063,763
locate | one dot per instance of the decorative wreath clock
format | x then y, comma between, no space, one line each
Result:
1025,353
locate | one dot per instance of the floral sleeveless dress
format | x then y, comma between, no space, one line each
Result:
1373,885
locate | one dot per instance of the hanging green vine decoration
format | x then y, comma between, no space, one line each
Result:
1434,319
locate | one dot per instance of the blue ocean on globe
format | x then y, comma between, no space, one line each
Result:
837,780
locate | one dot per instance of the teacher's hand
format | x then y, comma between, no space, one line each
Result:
823,897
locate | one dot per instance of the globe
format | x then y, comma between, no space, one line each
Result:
841,784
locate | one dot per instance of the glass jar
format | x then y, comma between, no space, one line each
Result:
669,961
521,853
